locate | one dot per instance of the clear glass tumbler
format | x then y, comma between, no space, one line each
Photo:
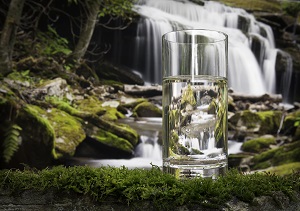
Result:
194,66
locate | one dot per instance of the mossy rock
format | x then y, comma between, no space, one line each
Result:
147,109
21,78
285,154
131,103
68,132
263,122
285,169
270,121
37,148
234,160
113,140
258,144
290,124
45,135
93,105
297,134
262,165
66,129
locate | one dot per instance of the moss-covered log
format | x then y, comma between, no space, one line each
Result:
106,188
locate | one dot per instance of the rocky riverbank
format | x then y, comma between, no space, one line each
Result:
51,112
48,121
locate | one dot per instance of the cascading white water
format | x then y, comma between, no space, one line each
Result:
149,148
246,73
287,76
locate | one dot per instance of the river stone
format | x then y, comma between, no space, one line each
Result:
147,109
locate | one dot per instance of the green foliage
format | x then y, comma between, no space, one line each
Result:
51,43
116,8
11,141
291,7
164,191
297,122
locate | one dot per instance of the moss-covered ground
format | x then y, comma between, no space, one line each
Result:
255,5
163,190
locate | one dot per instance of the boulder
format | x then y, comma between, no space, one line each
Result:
147,109
262,122
284,154
259,144
117,73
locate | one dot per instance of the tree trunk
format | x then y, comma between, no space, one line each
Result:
87,30
8,34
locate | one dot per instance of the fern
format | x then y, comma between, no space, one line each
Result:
11,141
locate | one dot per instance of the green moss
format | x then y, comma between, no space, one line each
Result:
68,132
128,133
147,109
270,121
62,105
134,102
285,154
250,119
22,76
285,169
266,122
38,114
258,144
94,106
262,165
91,105
254,5
265,155
164,191
112,114
64,129
113,140
290,124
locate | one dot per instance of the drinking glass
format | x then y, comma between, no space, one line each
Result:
194,66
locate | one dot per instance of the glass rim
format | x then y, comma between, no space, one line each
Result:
220,36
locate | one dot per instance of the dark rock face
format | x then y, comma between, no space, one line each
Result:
121,74
287,38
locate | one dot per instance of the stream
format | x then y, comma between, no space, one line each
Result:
149,151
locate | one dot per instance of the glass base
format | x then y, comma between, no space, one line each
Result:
188,171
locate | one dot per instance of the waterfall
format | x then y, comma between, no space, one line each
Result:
246,73
251,56
148,147
287,76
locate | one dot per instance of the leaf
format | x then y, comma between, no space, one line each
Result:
11,141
